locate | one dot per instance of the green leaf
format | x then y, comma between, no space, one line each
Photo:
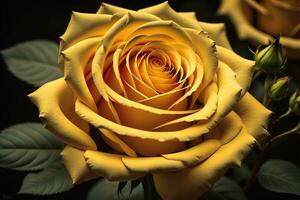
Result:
229,189
225,189
34,61
280,176
107,190
134,184
121,186
51,180
28,146
241,174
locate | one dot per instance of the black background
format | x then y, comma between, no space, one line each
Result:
48,19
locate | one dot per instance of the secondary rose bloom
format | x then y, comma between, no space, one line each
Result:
260,21
165,92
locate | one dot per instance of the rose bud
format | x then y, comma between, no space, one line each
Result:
279,89
294,102
271,58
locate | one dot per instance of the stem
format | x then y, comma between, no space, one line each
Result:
297,128
268,82
256,168
287,113
263,155
256,75
266,100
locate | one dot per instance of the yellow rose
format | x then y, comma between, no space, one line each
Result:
263,20
166,92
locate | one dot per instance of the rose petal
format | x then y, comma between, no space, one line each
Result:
142,119
151,164
116,65
206,49
242,67
196,153
144,39
229,93
134,105
169,28
191,15
165,12
217,32
109,9
76,59
56,104
115,142
230,127
210,100
248,108
148,147
228,97
83,26
76,165
133,78
165,100
192,182
227,130
133,94
98,121
110,166
120,30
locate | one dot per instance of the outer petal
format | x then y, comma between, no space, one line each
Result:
151,164
165,12
230,127
106,8
206,49
217,33
83,26
76,59
56,104
173,161
110,166
196,153
76,165
242,67
193,182
254,115
101,122
191,15
147,147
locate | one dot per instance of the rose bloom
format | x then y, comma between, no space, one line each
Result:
260,21
165,92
